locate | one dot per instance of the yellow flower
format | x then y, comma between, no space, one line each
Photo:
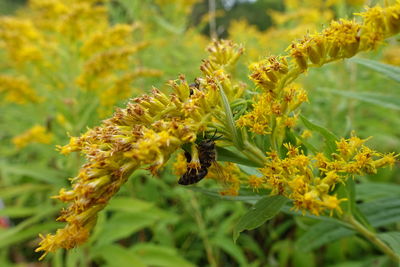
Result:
147,132
180,164
102,65
21,40
17,89
117,36
36,134
255,182
121,88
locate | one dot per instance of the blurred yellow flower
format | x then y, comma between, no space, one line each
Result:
17,90
36,134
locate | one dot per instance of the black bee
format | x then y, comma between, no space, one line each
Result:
207,155
196,85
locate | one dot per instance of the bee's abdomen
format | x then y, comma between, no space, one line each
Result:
192,176
206,150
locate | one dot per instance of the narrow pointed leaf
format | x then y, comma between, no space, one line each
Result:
264,210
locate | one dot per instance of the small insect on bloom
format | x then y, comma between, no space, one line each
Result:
206,156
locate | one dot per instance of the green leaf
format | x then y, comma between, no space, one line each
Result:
236,135
251,199
117,256
351,195
392,239
386,101
9,234
390,71
265,209
29,233
353,209
230,155
123,225
22,189
87,113
39,173
128,204
321,234
230,248
73,257
330,138
250,170
370,190
155,255
382,211
18,212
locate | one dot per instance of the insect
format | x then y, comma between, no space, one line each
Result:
195,85
207,154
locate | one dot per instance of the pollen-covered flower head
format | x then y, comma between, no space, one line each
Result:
144,134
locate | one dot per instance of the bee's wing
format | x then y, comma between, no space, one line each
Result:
221,175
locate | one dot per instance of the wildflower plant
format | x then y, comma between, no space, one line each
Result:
259,146
91,60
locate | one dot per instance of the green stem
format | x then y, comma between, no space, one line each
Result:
203,231
254,154
371,236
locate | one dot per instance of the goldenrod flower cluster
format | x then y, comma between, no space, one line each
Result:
74,39
152,127
36,134
16,89
308,180
145,133
275,75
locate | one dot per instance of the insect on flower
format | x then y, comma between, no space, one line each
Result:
206,155
195,85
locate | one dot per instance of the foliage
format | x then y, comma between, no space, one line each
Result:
66,64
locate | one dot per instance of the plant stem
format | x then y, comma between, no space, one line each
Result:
253,153
212,22
203,232
371,236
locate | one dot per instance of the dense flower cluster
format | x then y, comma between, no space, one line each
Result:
17,89
145,133
76,41
36,134
154,126
308,180
275,75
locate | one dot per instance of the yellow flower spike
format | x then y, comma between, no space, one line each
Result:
332,203
299,184
180,165
17,89
147,132
299,56
256,182
292,151
331,178
117,36
108,152
21,40
224,53
83,18
386,160
181,88
271,75
103,64
36,134
313,54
